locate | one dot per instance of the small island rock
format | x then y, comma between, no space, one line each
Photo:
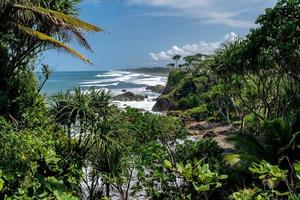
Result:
129,96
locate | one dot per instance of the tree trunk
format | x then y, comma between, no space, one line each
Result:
107,185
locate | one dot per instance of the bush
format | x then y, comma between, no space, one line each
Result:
188,102
31,167
198,113
206,149
148,127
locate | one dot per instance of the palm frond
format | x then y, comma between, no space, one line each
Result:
81,40
249,144
51,40
73,21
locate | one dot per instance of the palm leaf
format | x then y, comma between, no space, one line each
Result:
249,144
51,40
81,40
292,143
73,21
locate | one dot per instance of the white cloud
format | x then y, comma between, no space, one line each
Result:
191,49
233,13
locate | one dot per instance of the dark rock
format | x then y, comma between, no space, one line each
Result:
129,96
163,104
209,134
124,91
198,127
157,88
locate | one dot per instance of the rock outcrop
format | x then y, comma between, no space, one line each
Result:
129,96
157,88
163,104
166,101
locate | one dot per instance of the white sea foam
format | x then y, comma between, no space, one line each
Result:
100,85
100,89
119,79
108,75
123,78
113,74
146,105
151,81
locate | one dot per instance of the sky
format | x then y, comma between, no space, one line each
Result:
147,33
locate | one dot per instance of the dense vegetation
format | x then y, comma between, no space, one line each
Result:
78,145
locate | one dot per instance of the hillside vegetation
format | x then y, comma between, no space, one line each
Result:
78,145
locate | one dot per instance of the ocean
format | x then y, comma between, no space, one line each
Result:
115,81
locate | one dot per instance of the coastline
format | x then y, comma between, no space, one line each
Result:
116,81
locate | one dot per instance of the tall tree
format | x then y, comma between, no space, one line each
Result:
176,58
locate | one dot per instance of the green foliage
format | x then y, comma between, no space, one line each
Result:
277,141
297,169
148,127
31,164
198,93
198,175
261,70
28,28
198,113
160,169
250,194
151,172
207,150
21,95
269,175
174,78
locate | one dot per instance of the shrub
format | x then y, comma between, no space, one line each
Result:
198,113
206,149
190,101
31,165
147,127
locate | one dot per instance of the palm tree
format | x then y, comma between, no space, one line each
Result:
106,148
61,111
100,101
33,26
72,108
176,58
85,108
28,28
46,73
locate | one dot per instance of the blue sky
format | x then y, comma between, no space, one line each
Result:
145,33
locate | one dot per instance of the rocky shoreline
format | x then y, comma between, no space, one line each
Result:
130,96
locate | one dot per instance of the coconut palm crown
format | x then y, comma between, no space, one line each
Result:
43,24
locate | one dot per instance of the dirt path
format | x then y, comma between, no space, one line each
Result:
218,131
